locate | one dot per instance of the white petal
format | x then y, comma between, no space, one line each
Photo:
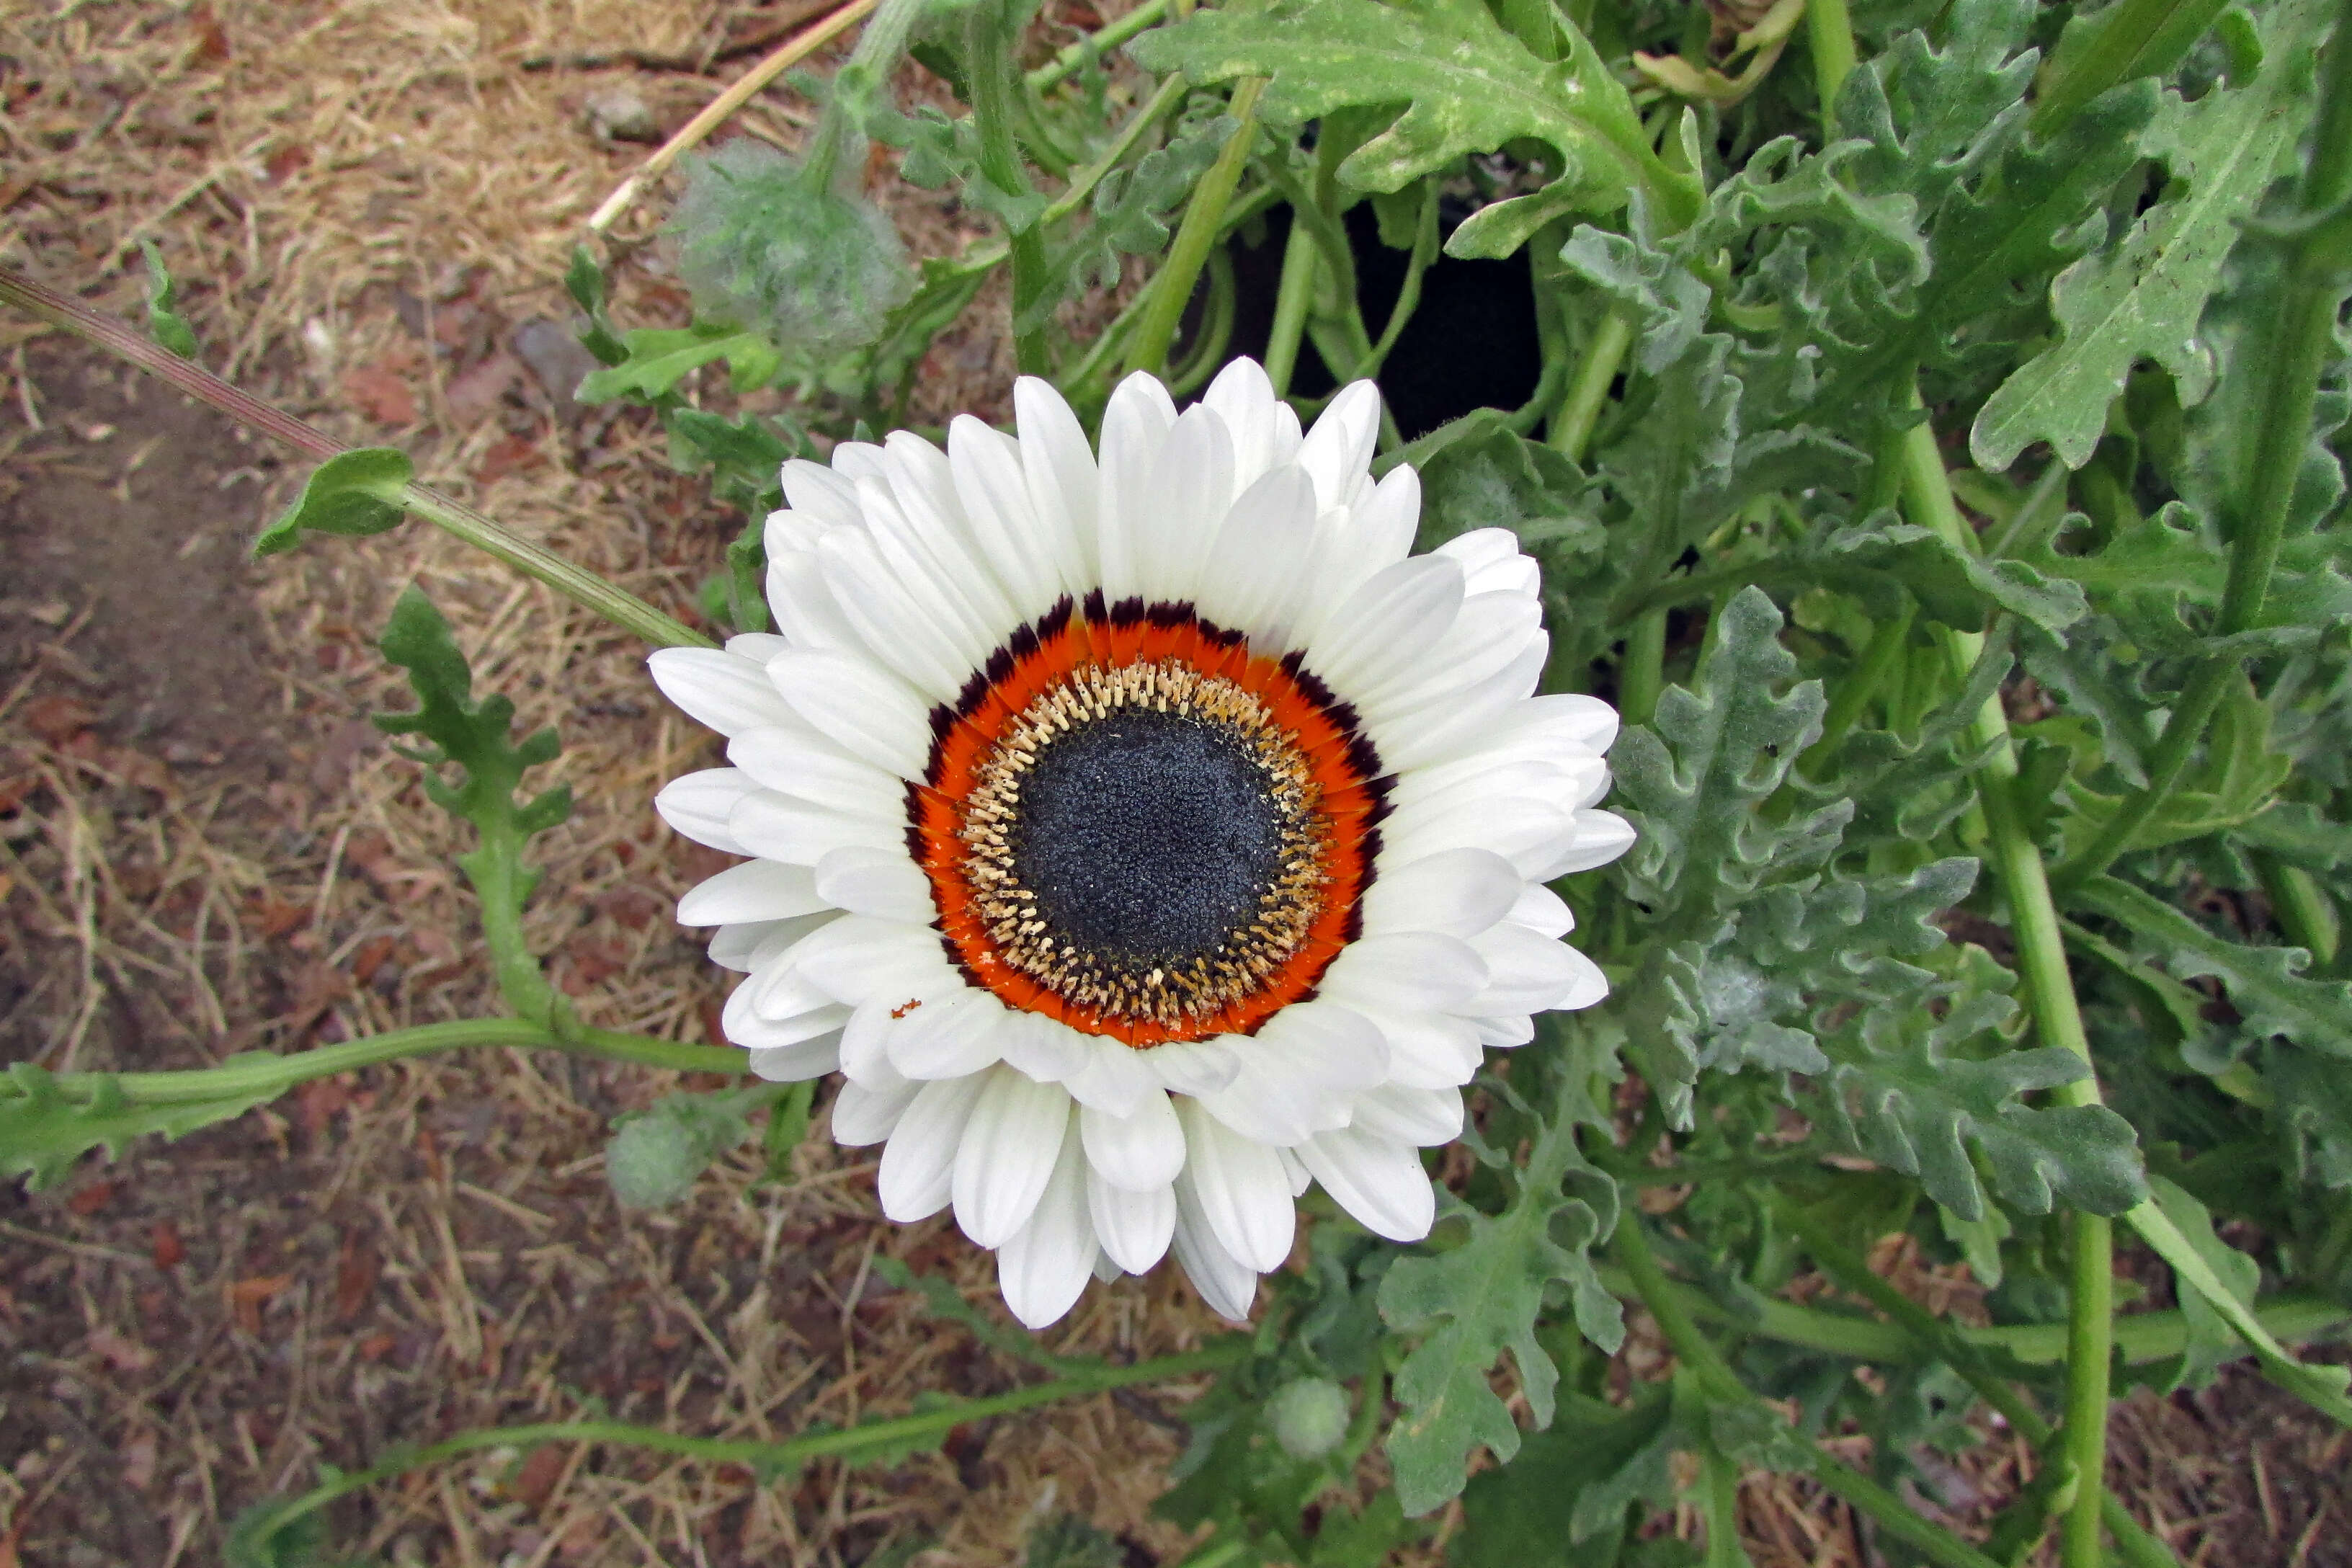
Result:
738,945
1244,1193
1467,720
863,1115
816,489
778,828
804,605
757,646
1459,892
698,805
1492,631
727,693
1060,469
947,1035
1133,1228
1138,1151
745,1026
794,760
1300,1073
1193,485
1596,839
902,616
1135,426
879,882
1042,1267
1405,970
919,1162
1192,1067
857,959
1047,1050
755,890
1024,554
1386,627
1114,1077
1424,1118
1431,1050
1379,1182
1543,911
1337,453
1224,1282
1007,1154
1263,438
1257,575
867,712
802,1060
1532,974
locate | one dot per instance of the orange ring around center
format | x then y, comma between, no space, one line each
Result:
1351,806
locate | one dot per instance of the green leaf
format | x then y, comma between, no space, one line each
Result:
1066,1541
474,736
2162,579
585,281
300,1543
1571,1486
945,289
1717,751
2210,1341
788,1125
1129,217
2143,298
2322,1387
659,357
164,319
42,1131
2311,1097
1496,478
1879,559
1914,1091
1470,87
2231,784
1471,1303
354,494
2265,984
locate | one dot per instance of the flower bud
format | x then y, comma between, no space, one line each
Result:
1309,1417
767,247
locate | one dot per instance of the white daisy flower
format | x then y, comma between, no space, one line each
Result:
1141,838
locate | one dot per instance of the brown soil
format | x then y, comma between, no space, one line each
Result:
206,849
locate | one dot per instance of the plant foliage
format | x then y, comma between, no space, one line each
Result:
1916,442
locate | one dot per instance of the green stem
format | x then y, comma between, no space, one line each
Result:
1291,300
1171,92
882,1438
2136,39
1719,1382
261,1074
2140,1337
1942,1341
2050,994
1207,351
1203,223
988,61
2304,911
1571,427
1408,299
1642,678
577,583
1830,30
1062,66
1888,642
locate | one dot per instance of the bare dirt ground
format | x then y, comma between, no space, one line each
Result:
206,849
